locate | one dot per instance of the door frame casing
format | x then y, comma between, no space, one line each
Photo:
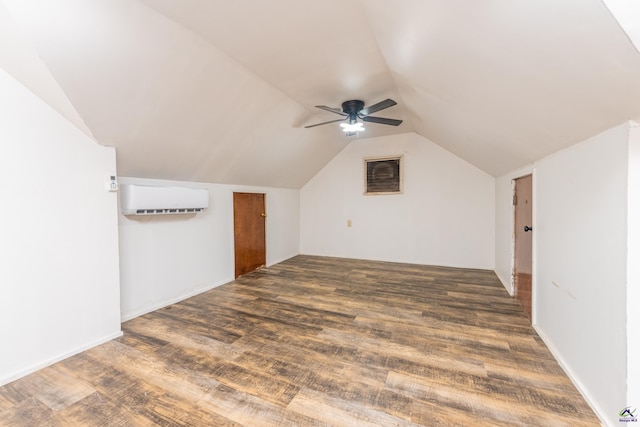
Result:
533,241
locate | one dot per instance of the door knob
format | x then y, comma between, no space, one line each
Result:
263,215
527,228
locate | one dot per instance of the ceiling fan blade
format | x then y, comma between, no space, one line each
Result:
324,123
379,106
332,110
381,120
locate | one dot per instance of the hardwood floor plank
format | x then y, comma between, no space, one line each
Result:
10,396
53,389
204,388
141,341
179,337
100,410
249,410
29,413
127,399
520,375
407,353
315,341
499,408
338,412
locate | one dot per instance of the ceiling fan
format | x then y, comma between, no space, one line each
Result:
353,110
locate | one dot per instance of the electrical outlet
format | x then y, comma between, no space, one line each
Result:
349,223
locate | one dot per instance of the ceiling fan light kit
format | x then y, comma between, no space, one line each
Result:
353,110
352,127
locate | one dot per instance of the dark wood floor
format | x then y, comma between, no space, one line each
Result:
312,342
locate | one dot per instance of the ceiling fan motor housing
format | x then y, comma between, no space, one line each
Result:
352,108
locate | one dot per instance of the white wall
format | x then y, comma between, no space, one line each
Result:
165,259
633,270
59,290
580,217
504,225
445,216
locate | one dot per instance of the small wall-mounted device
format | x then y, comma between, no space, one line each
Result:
112,183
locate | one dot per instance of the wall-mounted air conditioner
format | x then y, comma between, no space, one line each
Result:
147,200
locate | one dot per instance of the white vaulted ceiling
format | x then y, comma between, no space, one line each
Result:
219,91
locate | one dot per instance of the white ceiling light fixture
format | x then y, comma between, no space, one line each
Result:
351,127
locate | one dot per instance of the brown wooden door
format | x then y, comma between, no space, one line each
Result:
249,217
522,266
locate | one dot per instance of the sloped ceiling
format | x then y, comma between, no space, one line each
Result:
219,91
18,58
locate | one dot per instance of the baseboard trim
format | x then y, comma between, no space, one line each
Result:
157,306
506,283
36,367
600,413
283,259
142,311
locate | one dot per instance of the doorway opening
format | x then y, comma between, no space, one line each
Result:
523,242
